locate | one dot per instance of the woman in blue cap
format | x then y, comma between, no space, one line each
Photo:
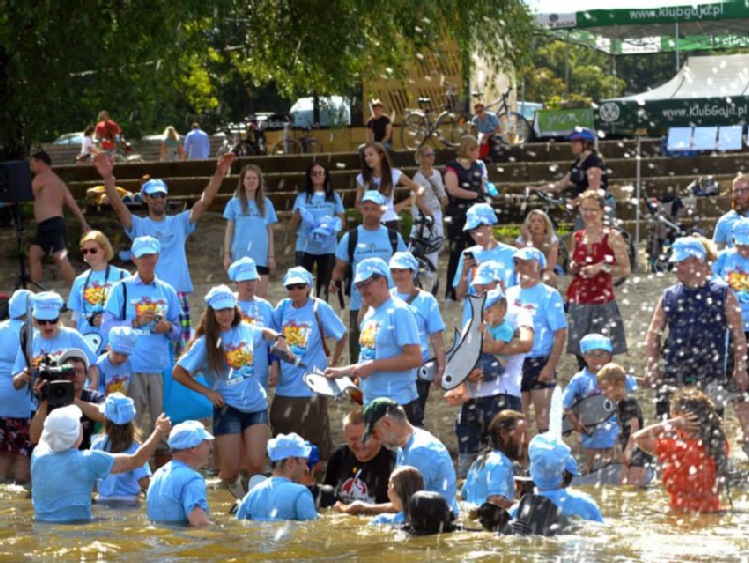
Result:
224,351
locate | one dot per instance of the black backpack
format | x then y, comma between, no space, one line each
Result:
353,239
536,516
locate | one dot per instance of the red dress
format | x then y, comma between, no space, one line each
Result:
598,289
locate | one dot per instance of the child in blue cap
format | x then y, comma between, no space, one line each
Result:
114,364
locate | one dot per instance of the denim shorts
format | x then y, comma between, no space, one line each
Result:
228,420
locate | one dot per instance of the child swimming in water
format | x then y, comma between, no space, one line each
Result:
403,483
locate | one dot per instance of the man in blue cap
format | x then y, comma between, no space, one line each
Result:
151,308
390,350
373,240
282,497
177,492
700,313
170,231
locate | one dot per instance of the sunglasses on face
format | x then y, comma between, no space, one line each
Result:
89,250
158,195
47,322
297,286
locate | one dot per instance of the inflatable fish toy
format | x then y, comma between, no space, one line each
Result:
428,371
591,411
465,355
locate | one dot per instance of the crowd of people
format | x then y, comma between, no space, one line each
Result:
129,331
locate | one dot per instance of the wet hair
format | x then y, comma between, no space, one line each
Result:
42,156
328,185
406,481
241,193
101,239
690,400
209,328
467,143
120,436
611,373
386,167
354,416
507,420
548,234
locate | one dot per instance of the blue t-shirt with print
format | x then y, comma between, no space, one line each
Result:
175,491
428,317
250,235
430,456
547,308
237,383
15,403
123,486
724,228
80,471
277,498
302,332
152,352
489,475
88,295
384,332
113,378
369,244
733,269
172,235
259,313
501,253
319,207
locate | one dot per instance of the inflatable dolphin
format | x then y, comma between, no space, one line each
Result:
465,355
428,371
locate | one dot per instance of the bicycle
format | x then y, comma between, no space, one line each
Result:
514,130
306,144
420,244
418,126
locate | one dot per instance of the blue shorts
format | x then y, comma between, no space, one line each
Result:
472,426
228,420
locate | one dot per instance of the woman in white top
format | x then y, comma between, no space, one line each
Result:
432,194
86,145
378,174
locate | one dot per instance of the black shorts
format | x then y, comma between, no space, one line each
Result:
263,270
531,370
50,235
641,459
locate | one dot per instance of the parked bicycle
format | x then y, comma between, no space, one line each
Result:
306,144
423,242
514,129
419,125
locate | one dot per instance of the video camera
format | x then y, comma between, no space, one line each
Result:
59,390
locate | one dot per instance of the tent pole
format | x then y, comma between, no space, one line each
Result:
637,186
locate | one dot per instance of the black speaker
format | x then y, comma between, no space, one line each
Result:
15,182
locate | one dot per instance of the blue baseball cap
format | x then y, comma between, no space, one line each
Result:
403,261
145,245
371,267
46,305
582,134
480,214
531,253
488,272
687,247
118,408
243,269
188,434
314,455
374,196
122,339
18,303
493,296
220,297
285,446
298,275
154,186
549,457
595,342
741,232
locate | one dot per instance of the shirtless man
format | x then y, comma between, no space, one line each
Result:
50,193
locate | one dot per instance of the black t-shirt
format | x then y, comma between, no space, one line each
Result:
355,480
579,174
379,127
89,396
627,409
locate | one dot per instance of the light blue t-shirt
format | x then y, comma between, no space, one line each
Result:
369,244
724,228
259,313
250,236
427,454
88,295
15,403
428,318
65,339
113,378
488,476
237,384
501,253
123,486
175,491
733,269
172,234
547,308
197,145
70,499
152,352
302,332
319,208
584,384
573,503
388,519
384,332
277,498
486,125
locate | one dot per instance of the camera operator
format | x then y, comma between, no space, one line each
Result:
86,400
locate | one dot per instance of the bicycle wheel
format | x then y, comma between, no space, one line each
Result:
312,146
513,129
427,277
564,255
413,131
631,252
448,130
288,147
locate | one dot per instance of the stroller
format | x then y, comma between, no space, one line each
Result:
669,218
